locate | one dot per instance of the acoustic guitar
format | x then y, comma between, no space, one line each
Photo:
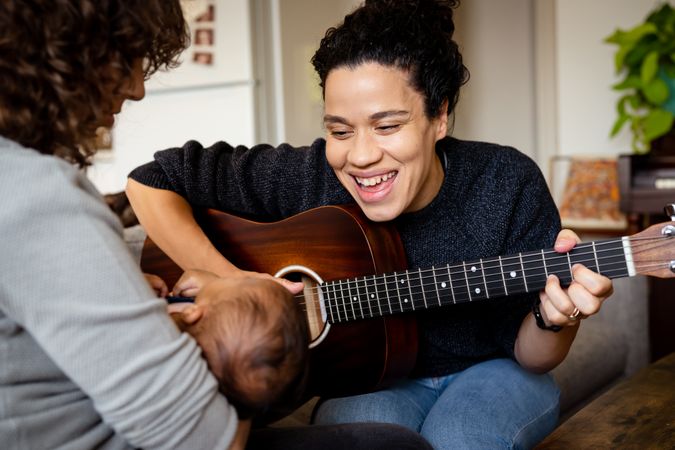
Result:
359,298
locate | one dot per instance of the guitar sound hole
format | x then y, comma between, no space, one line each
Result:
309,301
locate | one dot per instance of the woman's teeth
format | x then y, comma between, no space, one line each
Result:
375,180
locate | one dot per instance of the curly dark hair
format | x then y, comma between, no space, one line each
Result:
412,35
57,58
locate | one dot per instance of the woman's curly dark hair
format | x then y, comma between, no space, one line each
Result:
412,35
58,57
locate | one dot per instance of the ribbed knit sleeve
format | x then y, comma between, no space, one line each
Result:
88,355
263,181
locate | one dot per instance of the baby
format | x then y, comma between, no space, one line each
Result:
253,336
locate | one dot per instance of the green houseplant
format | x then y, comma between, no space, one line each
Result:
646,57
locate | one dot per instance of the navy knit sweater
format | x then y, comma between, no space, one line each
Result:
493,201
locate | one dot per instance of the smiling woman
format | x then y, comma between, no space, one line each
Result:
380,142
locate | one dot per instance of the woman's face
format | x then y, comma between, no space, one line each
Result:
130,88
379,142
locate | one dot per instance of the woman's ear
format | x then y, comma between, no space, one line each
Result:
442,130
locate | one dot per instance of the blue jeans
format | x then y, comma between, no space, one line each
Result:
492,405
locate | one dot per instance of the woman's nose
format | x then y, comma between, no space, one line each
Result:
134,89
365,151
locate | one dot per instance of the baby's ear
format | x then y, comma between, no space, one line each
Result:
187,316
193,314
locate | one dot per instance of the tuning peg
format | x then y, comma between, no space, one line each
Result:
670,211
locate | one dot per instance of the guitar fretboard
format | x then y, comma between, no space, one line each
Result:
483,279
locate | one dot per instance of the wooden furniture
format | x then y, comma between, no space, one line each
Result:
638,413
647,184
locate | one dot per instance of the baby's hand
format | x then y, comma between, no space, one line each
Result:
157,284
191,282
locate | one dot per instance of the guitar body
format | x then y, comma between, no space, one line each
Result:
323,244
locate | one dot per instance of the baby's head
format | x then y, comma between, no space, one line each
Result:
255,339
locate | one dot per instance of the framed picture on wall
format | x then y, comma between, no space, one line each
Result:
208,59
586,191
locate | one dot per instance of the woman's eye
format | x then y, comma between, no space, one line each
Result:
388,128
340,134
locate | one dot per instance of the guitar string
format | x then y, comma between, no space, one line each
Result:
362,304
498,282
462,296
552,267
459,297
347,318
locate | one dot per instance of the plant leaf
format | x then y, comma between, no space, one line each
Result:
630,37
656,91
618,124
650,66
626,40
639,52
630,82
669,70
657,123
621,105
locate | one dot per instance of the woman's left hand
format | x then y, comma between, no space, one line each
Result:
583,297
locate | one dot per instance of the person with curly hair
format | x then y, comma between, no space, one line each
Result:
88,356
391,74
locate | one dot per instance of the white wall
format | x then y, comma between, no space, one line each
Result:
302,24
212,104
498,103
519,93
585,72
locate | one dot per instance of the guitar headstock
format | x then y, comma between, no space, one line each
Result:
654,248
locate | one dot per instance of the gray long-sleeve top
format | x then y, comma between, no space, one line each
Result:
88,356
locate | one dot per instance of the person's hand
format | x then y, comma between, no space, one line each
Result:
191,282
294,287
157,284
583,297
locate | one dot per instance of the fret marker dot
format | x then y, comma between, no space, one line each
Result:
402,281
372,295
477,290
354,298
513,274
443,284
405,300
473,268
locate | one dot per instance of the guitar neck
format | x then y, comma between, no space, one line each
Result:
470,281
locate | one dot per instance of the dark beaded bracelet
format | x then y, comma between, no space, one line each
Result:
540,320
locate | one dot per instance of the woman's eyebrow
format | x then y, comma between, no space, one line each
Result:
328,118
387,114
334,119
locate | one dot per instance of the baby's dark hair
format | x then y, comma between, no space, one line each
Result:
412,35
263,359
